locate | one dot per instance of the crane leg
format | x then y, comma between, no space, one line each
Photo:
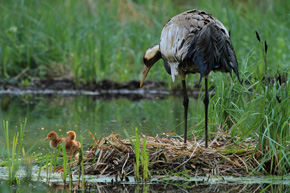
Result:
185,104
206,102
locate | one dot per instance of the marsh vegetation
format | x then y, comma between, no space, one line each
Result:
89,41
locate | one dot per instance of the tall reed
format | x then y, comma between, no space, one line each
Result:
140,156
259,108
65,162
13,159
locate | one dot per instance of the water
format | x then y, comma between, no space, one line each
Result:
99,116
168,184
40,183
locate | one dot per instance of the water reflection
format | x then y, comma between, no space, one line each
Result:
120,187
100,116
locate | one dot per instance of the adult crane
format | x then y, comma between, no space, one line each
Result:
193,42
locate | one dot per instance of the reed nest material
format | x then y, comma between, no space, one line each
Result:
168,155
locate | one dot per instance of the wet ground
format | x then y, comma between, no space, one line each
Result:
105,89
66,84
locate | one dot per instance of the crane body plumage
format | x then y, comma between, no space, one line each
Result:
193,42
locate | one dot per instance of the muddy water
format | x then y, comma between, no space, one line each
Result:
100,116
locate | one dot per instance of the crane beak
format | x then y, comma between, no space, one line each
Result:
145,72
46,139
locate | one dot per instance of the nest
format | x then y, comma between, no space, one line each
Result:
168,155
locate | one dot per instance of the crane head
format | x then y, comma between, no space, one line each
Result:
152,55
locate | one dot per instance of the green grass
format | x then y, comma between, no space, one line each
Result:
83,40
91,41
65,163
14,155
261,109
12,158
140,156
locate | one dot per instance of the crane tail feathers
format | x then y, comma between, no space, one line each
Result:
211,49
